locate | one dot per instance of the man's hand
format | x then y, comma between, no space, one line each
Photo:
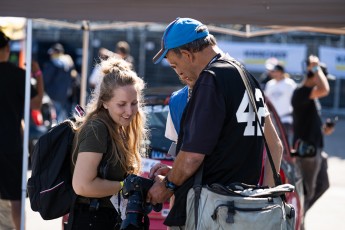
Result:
159,169
328,130
313,61
158,193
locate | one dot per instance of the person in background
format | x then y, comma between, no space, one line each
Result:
6,220
59,79
177,103
107,146
12,93
279,91
270,63
308,125
96,75
213,123
123,49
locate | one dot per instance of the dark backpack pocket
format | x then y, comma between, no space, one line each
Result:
57,200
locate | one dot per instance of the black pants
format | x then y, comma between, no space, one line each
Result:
82,218
310,168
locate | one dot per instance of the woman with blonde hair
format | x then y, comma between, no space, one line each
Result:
107,146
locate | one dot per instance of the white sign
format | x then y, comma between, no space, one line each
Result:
334,58
254,55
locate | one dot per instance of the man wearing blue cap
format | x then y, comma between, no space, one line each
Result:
218,126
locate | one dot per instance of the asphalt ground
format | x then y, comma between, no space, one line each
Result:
329,211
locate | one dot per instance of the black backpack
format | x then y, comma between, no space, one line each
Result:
50,185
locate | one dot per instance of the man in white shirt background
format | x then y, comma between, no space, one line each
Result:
279,91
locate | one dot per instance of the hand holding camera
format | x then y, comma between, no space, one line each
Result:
135,189
329,126
312,65
331,122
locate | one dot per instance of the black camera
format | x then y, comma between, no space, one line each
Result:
135,189
331,122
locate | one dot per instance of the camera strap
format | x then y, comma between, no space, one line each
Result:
119,219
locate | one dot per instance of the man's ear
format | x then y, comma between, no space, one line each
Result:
105,105
187,54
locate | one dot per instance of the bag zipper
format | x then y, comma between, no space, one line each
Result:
232,210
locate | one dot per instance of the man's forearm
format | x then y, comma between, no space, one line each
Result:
276,150
186,164
322,82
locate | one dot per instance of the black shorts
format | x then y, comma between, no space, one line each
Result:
11,167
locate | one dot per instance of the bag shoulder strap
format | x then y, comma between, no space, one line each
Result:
246,82
198,176
237,65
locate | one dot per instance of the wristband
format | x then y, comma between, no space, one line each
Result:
170,185
37,73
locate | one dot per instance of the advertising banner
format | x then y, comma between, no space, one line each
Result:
334,58
254,55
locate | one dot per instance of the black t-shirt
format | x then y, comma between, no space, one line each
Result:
12,94
94,137
217,123
307,123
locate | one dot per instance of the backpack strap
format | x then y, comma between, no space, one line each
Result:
69,224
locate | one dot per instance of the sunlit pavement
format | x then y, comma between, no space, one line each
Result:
329,211
35,222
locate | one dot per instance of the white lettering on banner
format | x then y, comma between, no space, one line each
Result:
245,114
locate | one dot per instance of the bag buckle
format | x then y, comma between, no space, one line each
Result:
231,212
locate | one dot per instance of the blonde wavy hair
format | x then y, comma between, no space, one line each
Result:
128,143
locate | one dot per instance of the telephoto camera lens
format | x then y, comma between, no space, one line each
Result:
135,189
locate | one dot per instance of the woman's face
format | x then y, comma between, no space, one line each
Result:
123,106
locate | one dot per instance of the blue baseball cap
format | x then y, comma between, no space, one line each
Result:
180,32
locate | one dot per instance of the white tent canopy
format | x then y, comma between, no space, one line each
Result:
325,16
280,15
314,13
